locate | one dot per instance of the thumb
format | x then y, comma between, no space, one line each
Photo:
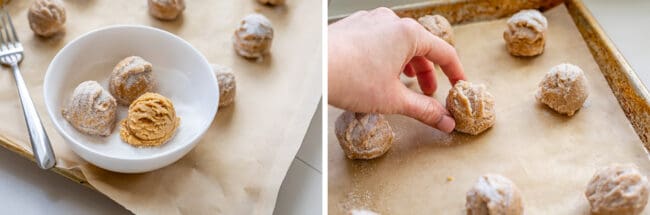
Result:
427,110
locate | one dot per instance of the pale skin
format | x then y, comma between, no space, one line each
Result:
368,50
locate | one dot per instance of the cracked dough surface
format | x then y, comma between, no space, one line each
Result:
46,17
166,10
494,194
363,135
563,89
526,33
253,37
439,26
472,107
91,109
131,78
618,189
227,84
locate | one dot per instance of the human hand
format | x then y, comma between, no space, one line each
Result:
367,51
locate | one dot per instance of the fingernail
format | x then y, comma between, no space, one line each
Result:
446,124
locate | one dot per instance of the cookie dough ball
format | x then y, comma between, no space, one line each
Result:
227,85
151,121
472,106
253,37
438,26
564,89
494,194
166,9
363,135
131,78
91,110
618,189
526,33
271,2
46,17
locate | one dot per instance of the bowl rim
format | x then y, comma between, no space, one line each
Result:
50,110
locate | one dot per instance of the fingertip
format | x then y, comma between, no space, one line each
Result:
409,71
446,124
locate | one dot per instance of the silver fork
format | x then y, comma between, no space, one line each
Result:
11,54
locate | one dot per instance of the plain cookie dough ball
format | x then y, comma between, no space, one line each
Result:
564,89
363,135
438,26
472,106
91,110
131,78
271,2
618,189
526,33
46,17
254,36
151,121
166,9
227,84
494,194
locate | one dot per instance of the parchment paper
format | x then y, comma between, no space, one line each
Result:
239,165
550,157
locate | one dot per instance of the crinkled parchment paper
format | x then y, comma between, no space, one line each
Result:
550,157
240,163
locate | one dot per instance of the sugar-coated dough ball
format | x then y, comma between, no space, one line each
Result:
46,17
361,212
363,135
166,9
438,26
472,107
271,2
131,78
254,36
91,110
227,85
494,194
618,189
564,89
526,33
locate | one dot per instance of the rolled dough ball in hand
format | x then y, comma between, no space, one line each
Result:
91,110
131,78
438,26
46,17
253,37
494,194
166,9
618,189
271,2
472,107
526,33
564,89
363,135
227,85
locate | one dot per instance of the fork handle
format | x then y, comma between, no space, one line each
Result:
41,146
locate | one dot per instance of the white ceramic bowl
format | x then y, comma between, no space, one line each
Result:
182,73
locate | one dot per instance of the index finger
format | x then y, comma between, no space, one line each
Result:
436,50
